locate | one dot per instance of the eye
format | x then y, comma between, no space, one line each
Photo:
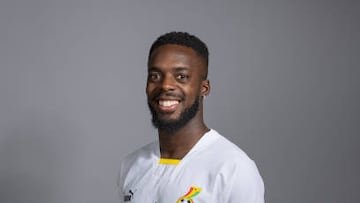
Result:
182,76
154,77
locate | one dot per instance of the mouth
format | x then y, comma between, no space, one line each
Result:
168,105
165,103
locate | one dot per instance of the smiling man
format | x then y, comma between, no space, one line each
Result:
190,163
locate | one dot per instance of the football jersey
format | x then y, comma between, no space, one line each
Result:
213,171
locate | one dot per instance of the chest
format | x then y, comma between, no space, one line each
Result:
186,183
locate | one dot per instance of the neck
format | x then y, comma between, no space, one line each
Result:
175,145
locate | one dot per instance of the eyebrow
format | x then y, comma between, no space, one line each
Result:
153,68
177,69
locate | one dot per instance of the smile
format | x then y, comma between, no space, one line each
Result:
168,106
168,103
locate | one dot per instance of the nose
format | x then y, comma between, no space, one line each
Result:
168,83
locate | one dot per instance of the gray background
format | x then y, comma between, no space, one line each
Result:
285,88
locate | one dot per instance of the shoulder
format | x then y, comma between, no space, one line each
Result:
242,177
141,155
223,157
230,154
225,150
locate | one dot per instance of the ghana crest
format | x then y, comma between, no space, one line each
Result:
187,198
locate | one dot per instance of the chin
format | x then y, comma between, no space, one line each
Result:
172,122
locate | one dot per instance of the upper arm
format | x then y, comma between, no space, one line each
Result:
246,185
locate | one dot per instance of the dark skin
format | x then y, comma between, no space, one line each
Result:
176,77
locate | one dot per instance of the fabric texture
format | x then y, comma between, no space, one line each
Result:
213,171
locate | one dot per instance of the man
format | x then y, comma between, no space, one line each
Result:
190,163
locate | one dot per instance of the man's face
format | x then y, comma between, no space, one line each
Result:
174,86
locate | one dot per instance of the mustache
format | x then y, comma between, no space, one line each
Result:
156,95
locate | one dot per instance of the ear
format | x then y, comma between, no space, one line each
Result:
205,88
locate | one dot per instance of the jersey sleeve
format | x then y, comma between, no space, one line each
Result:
246,185
120,183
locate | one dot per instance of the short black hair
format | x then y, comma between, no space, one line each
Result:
183,39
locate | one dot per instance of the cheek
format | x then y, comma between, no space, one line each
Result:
148,92
149,88
192,94
194,90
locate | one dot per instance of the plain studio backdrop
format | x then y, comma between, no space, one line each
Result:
285,88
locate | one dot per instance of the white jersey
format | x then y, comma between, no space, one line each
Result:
213,171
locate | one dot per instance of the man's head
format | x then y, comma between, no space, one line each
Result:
183,39
177,72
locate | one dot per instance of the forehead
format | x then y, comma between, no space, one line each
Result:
171,55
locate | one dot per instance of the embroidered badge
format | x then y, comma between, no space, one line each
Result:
128,197
187,198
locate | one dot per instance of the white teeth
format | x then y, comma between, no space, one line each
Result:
168,103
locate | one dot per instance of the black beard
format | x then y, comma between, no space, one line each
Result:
171,126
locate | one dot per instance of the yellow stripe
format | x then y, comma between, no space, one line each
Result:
169,161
